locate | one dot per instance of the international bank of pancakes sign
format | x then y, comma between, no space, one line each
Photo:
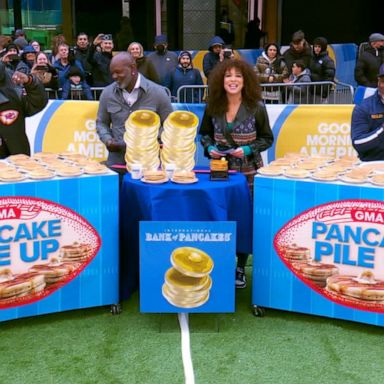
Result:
337,249
43,246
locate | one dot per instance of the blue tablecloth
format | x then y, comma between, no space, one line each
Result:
202,201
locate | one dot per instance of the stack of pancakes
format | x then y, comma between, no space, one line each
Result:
363,287
55,270
178,138
317,272
187,283
141,133
154,177
294,252
218,165
75,252
12,286
184,177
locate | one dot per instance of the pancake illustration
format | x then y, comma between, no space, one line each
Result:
55,270
317,272
18,285
295,252
364,287
75,252
187,283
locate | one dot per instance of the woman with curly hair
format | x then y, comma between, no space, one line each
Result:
235,125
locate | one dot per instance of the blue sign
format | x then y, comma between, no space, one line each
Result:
187,266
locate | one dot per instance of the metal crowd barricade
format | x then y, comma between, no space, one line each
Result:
96,92
192,94
321,92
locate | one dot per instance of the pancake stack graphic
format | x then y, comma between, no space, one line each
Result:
141,132
178,138
75,252
187,283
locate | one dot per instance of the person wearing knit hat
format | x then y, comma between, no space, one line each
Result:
11,57
299,49
322,69
185,74
368,63
75,87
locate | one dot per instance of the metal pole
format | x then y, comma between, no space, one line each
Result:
251,9
158,17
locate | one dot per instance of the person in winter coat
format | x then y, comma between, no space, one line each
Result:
163,61
100,56
75,87
214,56
11,57
64,62
322,69
367,126
299,94
28,59
144,66
185,74
299,49
270,67
21,96
46,73
368,64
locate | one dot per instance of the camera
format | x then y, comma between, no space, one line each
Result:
41,67
14,57
227,53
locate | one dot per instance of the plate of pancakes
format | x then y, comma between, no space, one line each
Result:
184,177
154,177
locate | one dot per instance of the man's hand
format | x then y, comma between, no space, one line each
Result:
98,39
114,146
20,78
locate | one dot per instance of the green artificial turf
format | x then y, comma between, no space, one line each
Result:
92,346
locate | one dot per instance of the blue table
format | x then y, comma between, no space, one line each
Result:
202,201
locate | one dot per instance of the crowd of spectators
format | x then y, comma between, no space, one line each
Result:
71,71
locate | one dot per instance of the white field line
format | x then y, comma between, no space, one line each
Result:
186,349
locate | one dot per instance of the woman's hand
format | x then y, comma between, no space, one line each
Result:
238,152
214,153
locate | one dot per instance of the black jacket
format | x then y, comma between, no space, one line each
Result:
15,106
100,62
290,56
367,67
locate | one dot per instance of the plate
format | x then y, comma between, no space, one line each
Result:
269,172
64,174
319,178
21,178
161,181
375,183
350,180
96,172
191,181
46,177
299,175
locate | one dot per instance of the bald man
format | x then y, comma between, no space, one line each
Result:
129,92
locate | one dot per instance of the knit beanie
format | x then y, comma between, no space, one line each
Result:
184,53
